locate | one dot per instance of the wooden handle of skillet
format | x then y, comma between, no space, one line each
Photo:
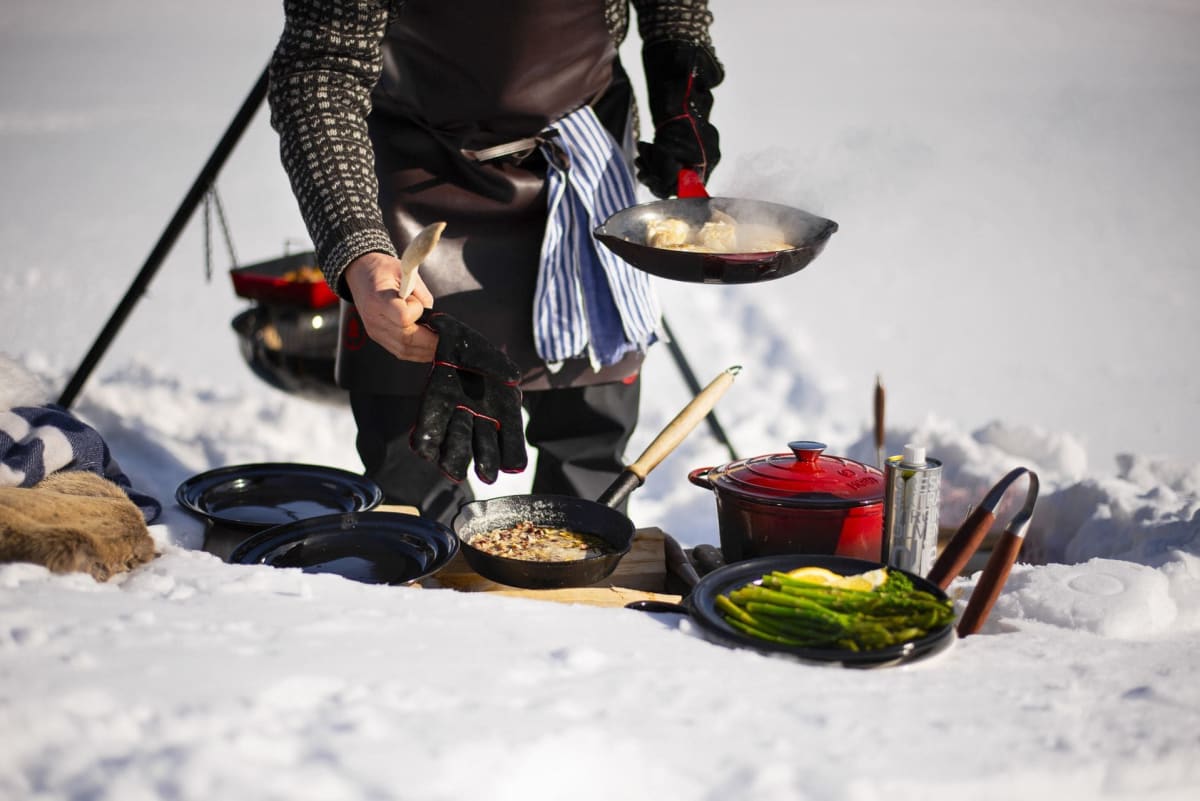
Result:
962,547
682,425
991,582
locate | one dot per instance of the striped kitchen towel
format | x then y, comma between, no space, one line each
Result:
36,441
588,300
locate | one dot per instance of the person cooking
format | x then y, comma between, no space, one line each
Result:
515,124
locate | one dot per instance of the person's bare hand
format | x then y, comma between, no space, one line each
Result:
390,320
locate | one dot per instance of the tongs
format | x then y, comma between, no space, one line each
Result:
966,541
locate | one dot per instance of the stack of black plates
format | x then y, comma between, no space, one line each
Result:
316,518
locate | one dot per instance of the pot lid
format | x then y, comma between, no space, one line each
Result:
803,478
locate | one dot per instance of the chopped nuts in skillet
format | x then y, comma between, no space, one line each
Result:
539,543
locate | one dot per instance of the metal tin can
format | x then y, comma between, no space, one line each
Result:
912,487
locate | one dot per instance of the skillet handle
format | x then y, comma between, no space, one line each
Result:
684,422
690,184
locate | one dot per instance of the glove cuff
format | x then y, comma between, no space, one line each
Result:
464,348
679,79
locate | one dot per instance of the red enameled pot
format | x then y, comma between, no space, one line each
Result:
803,502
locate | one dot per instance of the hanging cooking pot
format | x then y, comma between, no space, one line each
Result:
293,349
758,241
803,502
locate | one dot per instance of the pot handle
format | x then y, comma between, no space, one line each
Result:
699,477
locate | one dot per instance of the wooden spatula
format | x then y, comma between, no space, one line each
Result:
417,251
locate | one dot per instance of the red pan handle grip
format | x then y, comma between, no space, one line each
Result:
690,184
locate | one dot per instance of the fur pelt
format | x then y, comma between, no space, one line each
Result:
73,521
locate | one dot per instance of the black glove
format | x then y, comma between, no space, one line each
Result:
679,80
471,405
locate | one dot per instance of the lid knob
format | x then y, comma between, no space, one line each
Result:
807,452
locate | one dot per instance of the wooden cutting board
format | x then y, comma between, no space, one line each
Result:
640,575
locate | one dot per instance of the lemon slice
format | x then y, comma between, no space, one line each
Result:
816,575
864,582
875,577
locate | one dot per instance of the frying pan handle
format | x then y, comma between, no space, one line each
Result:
635,474
684,422
690,184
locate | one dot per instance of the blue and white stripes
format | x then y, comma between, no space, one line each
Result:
36,441
588,301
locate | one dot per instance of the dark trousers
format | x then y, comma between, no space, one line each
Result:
579,434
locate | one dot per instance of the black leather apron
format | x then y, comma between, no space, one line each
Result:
468,76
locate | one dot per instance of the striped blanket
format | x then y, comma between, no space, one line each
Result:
36,441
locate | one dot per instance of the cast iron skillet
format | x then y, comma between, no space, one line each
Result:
624,233
700,605
552,511
599,518
370,547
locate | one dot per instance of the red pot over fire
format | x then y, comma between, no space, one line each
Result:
798,502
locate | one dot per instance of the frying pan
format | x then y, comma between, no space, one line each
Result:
599,518
624,233
700,606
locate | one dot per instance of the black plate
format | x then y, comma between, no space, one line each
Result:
702,607
371,547
257,496
624,234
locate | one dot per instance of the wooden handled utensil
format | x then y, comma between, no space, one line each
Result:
966,541
417,251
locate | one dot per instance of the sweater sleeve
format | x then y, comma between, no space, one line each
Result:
321,74
678,20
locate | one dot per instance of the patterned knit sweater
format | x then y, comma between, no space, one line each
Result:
328,60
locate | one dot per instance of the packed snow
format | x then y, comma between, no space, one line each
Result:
1015,185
